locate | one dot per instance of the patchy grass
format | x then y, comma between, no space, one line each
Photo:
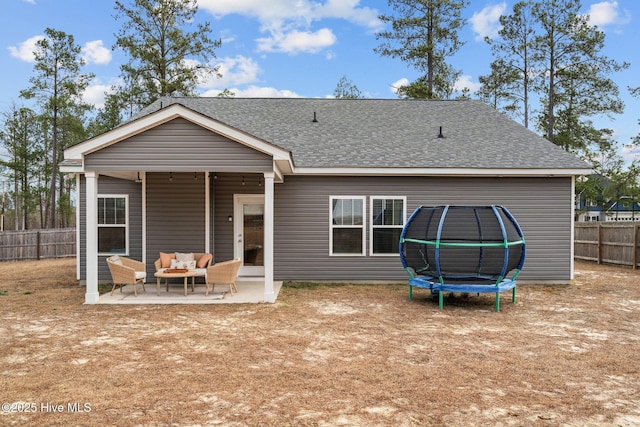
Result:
357,355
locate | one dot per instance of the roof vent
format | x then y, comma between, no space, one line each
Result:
440,135
315,119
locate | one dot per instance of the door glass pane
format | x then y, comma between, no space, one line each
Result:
253,232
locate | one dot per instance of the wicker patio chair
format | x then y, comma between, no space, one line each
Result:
225,272
126,271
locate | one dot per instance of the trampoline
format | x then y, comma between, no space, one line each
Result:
467,249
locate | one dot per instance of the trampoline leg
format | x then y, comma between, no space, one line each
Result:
440,299
497,301
410,292
513,295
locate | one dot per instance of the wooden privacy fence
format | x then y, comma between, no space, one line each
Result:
37,244
608,243
600,242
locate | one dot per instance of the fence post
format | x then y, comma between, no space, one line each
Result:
599,243
38,245
635,246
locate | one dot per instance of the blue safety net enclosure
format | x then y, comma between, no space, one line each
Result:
467,249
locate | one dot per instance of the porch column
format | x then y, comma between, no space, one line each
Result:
269,295
91,293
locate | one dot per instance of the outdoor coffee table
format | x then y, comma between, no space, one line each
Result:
174,274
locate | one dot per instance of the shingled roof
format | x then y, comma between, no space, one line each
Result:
384,133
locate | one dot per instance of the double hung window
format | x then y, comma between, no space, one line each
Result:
347,227
387,221
113,236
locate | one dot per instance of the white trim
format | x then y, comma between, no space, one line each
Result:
91,292
371,225
143,176
352,171
269,204
363,226
207,214
78,199
238,201
573,227
126,223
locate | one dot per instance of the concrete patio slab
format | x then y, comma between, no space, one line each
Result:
250,291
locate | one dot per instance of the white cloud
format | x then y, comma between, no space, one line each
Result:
606,13
256,92
238,70
630,153
397,84
24,51
303,11
95,94
349,10
288,22
465,82
296,41
95,52
486,23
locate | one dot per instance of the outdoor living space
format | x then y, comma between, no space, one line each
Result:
323,354
250,291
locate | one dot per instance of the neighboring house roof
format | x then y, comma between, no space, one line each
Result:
381,133
623,206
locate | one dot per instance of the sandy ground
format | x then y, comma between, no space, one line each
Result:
329,355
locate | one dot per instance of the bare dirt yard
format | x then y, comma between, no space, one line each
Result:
323,355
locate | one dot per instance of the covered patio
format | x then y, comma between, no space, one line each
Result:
198,195
250,291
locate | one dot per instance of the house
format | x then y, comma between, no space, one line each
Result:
590,213
312,189
623,210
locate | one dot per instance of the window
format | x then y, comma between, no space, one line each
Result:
347,226
387,221
113,236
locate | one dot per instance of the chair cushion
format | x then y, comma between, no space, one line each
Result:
165,259
201,271
204,260
141,275
115,259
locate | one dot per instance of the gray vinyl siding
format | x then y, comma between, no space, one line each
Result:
175,215
542,207
176,219
178,146
108,185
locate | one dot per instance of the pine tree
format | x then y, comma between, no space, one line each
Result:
573,76
58,85
346,89
164,58
513,68
424,33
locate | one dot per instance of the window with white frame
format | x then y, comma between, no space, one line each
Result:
347,225
387,221
113,235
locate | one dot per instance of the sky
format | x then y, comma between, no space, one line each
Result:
299,48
